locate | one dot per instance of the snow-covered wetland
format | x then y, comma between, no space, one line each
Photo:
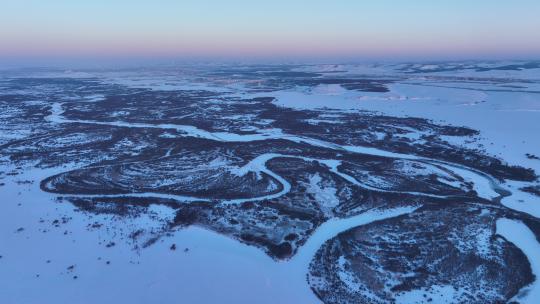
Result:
407,183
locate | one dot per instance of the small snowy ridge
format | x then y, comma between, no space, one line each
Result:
451,183
94,98
519,234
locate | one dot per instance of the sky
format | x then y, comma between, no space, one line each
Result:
56,30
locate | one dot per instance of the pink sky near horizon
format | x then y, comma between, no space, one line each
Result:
416,29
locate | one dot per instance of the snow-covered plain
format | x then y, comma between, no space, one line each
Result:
36,267
214,269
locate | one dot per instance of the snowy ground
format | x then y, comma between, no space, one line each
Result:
48,254
204,268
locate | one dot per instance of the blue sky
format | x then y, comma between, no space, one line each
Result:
377,29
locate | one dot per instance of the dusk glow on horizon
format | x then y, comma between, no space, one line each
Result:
269,29
269,151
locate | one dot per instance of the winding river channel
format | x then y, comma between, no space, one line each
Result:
485,185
